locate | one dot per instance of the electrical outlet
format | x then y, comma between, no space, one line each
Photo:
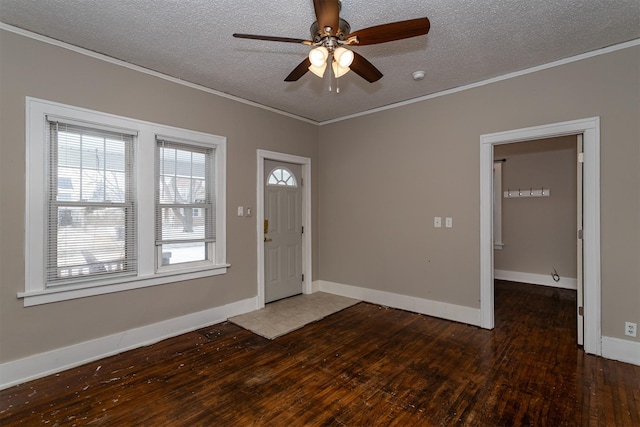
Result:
630,329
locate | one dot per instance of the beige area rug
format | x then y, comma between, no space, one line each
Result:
281,317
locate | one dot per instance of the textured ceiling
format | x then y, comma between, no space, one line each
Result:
469,41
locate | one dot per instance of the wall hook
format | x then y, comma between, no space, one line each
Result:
542,192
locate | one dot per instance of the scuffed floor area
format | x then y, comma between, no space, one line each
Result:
363,366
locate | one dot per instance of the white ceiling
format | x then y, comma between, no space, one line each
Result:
469,41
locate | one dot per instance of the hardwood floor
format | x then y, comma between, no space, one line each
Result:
364,366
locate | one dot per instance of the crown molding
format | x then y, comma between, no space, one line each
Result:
508,76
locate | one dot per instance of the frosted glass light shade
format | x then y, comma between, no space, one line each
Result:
318,71
318,56
338,70
343,57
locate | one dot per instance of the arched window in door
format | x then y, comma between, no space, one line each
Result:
282,176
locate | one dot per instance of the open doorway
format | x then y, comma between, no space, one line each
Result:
537,204
590,131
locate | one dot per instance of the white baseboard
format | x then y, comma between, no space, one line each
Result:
536,279
51,362
612,348
54,361
622,350
443,310
315,286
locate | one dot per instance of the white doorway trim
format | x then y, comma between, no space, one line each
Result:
590,129
305,162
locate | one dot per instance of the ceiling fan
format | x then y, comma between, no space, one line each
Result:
330,34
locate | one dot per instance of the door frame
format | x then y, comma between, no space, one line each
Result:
305,162
590,129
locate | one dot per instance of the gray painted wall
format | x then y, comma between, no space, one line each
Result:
378,181
33,68
385,176
539,234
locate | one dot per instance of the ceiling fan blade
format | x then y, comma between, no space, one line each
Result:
365,69
327,14
272,38
392,31
299,71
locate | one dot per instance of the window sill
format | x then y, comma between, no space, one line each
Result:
46,296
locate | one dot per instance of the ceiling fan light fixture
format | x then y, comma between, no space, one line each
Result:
318,56
329,33
318,71
338,70
344,57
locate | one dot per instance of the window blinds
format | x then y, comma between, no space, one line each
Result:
91,227
185,201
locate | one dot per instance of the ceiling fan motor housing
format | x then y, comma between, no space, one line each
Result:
321,38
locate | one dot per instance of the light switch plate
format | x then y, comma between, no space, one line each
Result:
437,222
448,222
240,211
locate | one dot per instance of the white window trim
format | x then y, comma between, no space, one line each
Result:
36,292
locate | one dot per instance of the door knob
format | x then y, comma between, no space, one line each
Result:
267,239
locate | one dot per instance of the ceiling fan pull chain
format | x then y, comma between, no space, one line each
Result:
329,59
335,74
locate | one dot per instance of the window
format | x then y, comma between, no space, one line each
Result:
101,218
91,228
282,176
185,210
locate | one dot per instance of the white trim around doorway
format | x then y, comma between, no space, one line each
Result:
305,162
590,129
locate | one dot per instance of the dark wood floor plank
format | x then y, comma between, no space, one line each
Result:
366,365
